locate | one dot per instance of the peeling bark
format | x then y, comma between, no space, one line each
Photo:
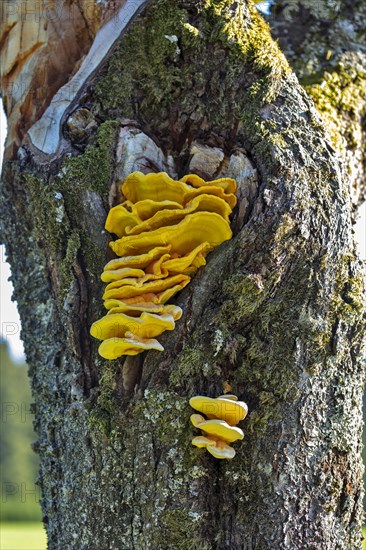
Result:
277,313
41,43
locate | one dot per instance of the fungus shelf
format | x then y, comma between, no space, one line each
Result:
219,428
165,230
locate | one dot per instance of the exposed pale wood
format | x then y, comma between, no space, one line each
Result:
42,46
42,43
45,133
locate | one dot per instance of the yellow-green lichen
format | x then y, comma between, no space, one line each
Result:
338,94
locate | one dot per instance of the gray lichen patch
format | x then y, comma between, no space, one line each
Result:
159,476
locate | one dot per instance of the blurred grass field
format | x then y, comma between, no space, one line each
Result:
22,536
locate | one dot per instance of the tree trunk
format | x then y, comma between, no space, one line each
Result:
276,314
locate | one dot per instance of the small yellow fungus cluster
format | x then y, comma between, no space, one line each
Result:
223,413
165,229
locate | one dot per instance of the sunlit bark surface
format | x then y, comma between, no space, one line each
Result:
325,43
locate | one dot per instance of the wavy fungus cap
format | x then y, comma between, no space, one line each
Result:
113,348
193,230
118,219
148,208
202,203
139,187
218,428
226,408
132,287
158,187
117,274
227,184
147,325
137,308
194,259
139,261
216,447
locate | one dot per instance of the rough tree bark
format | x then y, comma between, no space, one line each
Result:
277,313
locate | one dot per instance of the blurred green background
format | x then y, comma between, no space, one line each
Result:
20,513
18,463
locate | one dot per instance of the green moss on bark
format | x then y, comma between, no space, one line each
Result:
66,267
178,530
52,224
247,293
161,77
58,206
347,301
104,412
93,169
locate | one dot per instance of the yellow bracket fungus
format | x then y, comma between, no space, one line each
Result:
116,325
194,259
227,184
112,348
139,261
148,208
225,407
117,274
215,446
119,219
127,288
163,218
139,187
219,429
139,307
165,230
192,231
